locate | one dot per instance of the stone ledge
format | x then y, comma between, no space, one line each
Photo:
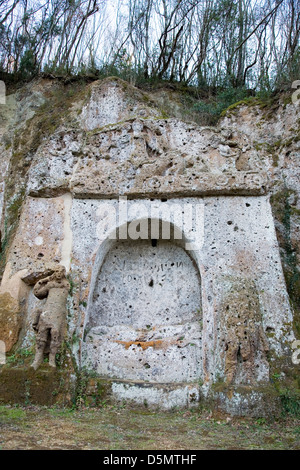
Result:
239,400
138,393
46,386
245,400
204,184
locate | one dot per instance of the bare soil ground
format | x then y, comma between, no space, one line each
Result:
119,428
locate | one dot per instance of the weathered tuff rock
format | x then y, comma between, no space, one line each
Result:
166,233
274,131
10,320
123,147
243,334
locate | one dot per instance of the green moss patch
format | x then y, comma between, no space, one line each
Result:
25,386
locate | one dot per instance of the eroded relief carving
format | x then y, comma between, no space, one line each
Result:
49,321
244,339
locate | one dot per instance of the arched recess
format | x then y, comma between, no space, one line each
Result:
144,313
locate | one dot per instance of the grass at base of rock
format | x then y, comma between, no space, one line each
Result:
125,428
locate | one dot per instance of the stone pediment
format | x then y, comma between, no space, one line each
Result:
123,146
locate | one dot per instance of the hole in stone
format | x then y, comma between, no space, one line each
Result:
229,222
151,283
154,242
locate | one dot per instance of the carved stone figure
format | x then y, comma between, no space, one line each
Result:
49,322
246,344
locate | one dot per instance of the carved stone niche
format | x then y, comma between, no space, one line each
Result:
145,314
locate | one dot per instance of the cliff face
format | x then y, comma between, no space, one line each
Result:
166,233
274,132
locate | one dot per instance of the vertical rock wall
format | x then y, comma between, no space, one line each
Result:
202,308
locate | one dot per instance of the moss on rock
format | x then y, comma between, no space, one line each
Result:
46,386
10,320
